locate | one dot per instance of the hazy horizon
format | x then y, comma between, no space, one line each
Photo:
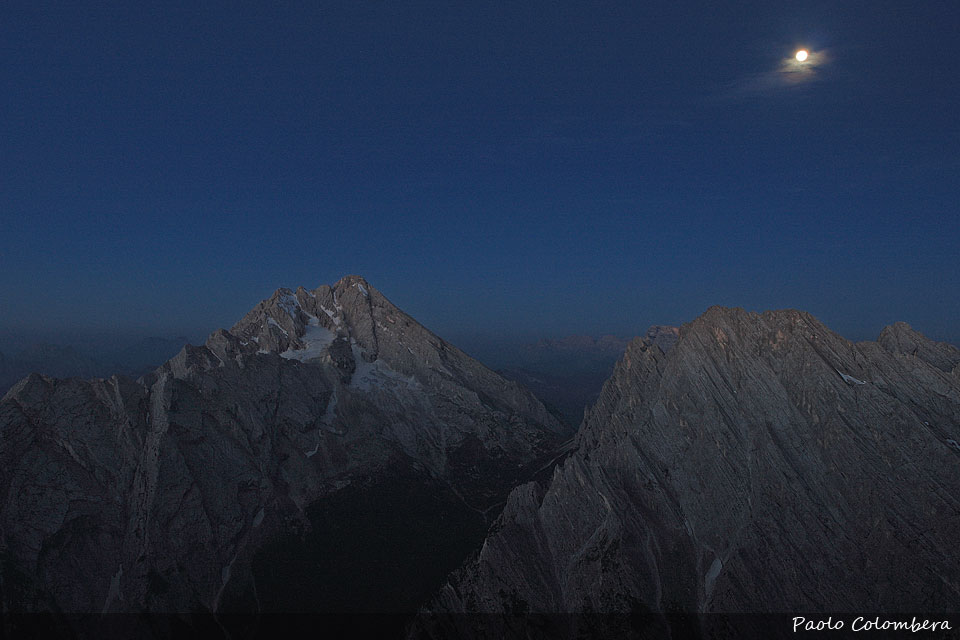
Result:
491,345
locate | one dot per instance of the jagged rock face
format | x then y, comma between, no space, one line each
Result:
900,338
663,336
159,494
763,464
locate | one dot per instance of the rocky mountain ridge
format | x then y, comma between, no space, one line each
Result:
762,464
162,494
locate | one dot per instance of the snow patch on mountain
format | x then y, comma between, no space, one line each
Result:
333,315
377,375
849,379
273,323
316,340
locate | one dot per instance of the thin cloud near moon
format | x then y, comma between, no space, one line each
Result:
790,72
794,71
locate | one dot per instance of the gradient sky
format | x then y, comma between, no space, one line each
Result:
497,168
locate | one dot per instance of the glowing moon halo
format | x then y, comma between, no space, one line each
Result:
802,55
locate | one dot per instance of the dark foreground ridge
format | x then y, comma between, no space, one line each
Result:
762,464
584,626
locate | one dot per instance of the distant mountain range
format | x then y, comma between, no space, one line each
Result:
66,361
568,373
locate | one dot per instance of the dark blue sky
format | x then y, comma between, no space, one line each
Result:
495,168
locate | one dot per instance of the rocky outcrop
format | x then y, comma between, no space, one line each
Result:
663,336
762,464
171,493
901,339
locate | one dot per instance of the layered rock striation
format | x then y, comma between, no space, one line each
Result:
183,490
762,464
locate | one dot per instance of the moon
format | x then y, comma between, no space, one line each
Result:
802,55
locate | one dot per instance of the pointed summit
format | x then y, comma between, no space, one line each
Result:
354,327
347,282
